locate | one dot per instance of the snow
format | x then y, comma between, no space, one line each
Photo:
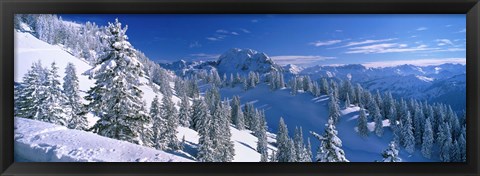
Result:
245,143
37,141
424,78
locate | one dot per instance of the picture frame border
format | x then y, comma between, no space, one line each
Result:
468,7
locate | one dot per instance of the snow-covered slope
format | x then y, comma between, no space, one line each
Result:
37,141
29,49
312,113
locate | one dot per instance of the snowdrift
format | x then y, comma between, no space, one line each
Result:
37,141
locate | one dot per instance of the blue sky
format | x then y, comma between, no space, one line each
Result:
304,40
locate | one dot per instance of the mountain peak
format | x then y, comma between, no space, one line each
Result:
244,61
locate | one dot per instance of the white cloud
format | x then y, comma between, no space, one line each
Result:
325,43
338,30
299,60
254,21
386,48
245,31
205,56
443,42
421,29
462,31
195,44
449,25
235,33
213,39
365,42
223,31
417,62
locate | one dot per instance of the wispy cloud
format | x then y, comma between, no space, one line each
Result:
325,43
462,31
299,59
448,25
245,31
254,21
364,42
338,30
421,28
417,62
443,42
204,56
221,34
386,48
195,44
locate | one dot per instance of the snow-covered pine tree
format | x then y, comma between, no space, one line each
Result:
427,140
300,150
309,150
76,113
347,101
333,109
262,144
199,112
184,111
407,134
144,127
203,125
116,96
330,145
391,153
362,123
324,86
52,109
273,157
419,120
378,119
445,141
159,140
455,152
28,99
170,113
284,152
462,144
359,95
293,85
227,151
237,114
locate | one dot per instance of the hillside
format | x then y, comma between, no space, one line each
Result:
30,49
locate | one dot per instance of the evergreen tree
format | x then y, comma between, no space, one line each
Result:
284,152
362,123
53,99
333,109
159,126
391,153
347,101
262,143
77,120
199,112
377,118
204,124
144,126
455,154
330,148
116,96
184,111
324,87
293,84
408,136
309,150
237,114
170,113
264,156
28,98
418,124
445,141
462,145
427,140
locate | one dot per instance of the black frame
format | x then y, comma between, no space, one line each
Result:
469,7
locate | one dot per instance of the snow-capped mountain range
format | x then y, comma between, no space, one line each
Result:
434,83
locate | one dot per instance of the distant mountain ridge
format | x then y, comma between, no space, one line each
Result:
435,83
